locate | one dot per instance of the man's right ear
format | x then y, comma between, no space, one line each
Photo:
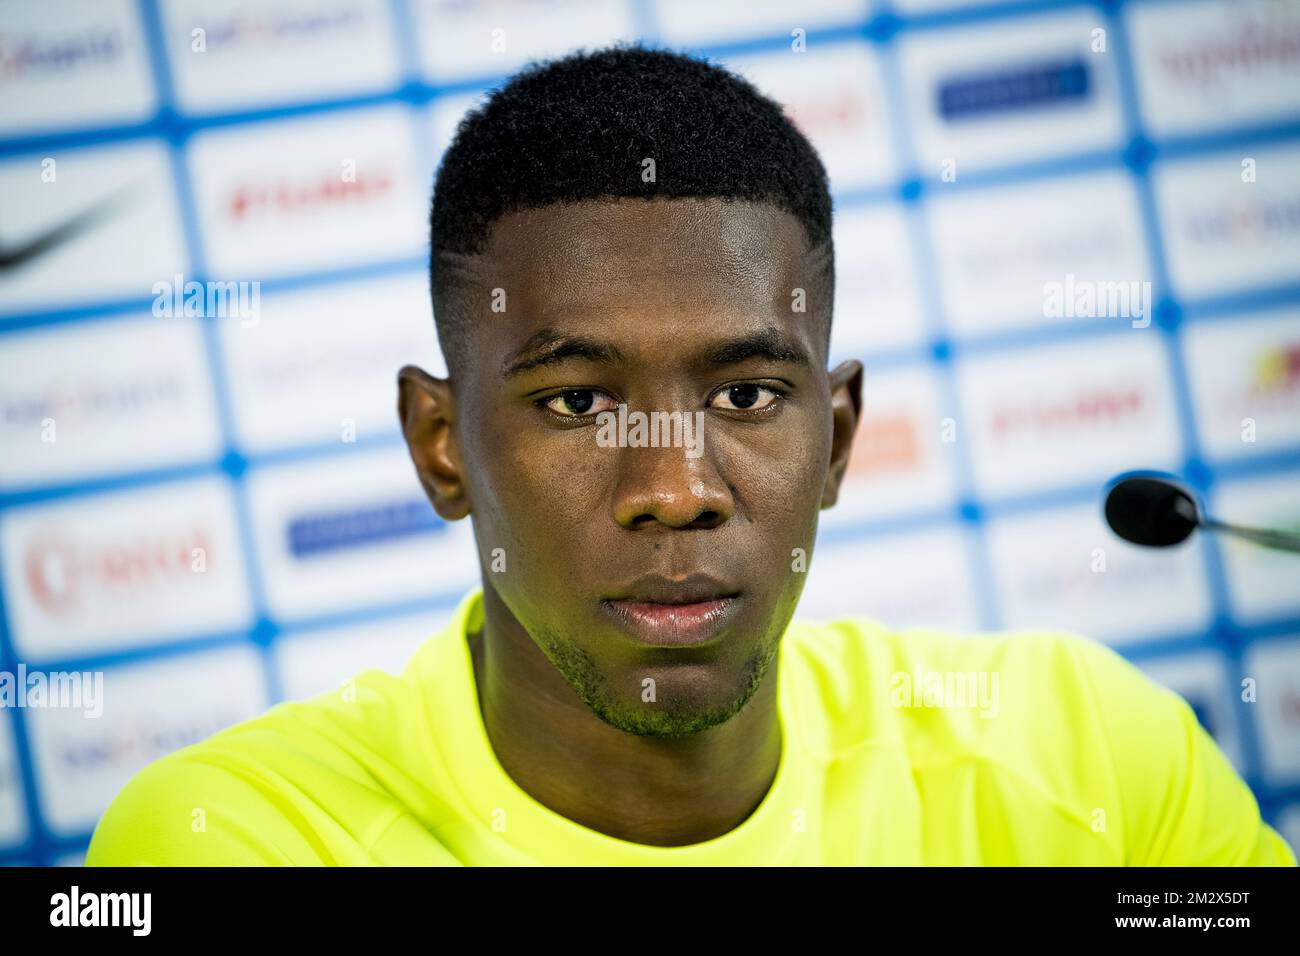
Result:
426,408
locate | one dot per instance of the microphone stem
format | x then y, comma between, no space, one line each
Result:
1277,540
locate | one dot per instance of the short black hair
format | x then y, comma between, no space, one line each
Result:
579,127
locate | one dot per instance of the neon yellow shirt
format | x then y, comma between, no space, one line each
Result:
1070,756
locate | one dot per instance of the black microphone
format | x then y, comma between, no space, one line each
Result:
1157,513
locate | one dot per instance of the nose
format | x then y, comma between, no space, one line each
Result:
666,486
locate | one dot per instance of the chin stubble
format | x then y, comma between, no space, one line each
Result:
649,719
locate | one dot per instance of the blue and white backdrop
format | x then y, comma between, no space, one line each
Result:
984,157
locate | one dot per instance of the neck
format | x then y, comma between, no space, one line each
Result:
655,791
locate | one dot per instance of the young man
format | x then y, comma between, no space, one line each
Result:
632,233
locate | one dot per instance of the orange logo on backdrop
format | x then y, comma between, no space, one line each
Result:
885,443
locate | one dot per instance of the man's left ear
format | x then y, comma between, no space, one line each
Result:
846,407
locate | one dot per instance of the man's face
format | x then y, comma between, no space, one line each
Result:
658,580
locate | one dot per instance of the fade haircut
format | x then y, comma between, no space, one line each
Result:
579,128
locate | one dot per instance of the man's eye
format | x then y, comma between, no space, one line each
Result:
746,398
579,401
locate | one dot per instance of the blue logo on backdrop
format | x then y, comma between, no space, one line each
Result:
1042,84
318,533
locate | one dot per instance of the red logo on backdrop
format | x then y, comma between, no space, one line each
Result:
1094,406
831,110
290,199
1252,46
61,571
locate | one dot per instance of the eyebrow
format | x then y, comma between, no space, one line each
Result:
769,343
550,346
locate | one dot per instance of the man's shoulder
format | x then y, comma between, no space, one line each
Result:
1048,716
863,648
369,710
1006,697
252,793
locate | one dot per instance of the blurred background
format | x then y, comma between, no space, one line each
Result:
1068,246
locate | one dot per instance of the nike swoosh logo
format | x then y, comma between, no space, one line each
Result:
13,258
